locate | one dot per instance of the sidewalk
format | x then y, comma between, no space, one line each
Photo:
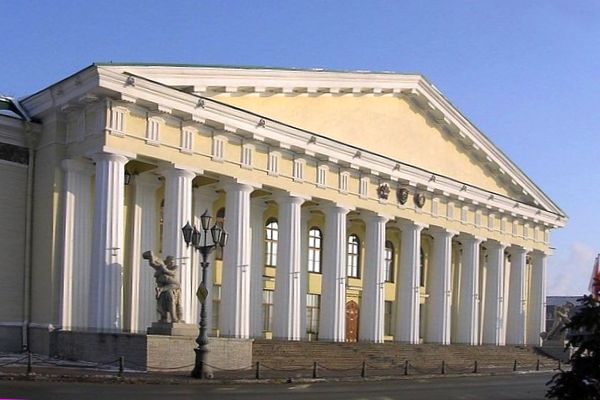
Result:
43,368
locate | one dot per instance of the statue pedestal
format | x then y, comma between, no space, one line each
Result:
555,348
173,329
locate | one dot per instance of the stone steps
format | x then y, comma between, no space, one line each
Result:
282,354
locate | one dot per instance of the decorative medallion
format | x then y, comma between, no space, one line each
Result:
419,200
402,195
383,191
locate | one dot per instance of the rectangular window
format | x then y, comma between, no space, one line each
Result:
515,227
314,250
434,207
387,324
353,257
363,190
216,302
298,172
313,306
322,176
491,220
153,131
464,213
267,310
478,218
117,121
344,177
526,231
450,211
273,165
187,140
503,223
246,156
218,152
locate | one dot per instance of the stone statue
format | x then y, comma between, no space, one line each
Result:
168,289
561,318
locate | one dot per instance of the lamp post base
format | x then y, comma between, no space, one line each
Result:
201,370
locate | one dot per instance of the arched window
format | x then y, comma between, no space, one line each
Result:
422,268
389,262
314,250
271,237
353,256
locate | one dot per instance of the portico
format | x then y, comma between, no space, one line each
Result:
326,231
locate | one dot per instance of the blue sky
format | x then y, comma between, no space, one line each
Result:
526,73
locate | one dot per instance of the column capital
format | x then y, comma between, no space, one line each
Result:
472,239
337,208
289,197
103,156
493,244
374,216
80,165
518,251
409,224
233,183
441,232
172,172
537,253
147,179
207,192
168,166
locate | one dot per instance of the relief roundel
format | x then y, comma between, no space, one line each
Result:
419,200
402,195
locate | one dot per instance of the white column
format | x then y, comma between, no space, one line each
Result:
178,212
373,296
517,303
287,311
143,238
304,270
468,321
235,299
106,288
333,295
493,315
77,243
536,313
440,290
408,286
257,267
203,199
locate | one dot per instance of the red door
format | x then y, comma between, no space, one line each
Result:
351,321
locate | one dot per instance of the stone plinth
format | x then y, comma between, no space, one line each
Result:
173,329
176,353
556,349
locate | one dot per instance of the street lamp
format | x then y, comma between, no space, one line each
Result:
193,236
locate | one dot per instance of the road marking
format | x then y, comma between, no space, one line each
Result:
305,386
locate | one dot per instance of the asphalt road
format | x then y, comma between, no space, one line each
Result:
514,387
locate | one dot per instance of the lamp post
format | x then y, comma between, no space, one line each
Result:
193,236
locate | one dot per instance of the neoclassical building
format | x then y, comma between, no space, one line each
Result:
360,207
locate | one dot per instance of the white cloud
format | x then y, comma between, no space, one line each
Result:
569,271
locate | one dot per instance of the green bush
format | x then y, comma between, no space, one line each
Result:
582,382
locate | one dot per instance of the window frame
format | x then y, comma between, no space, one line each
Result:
271,239
353,256
315,266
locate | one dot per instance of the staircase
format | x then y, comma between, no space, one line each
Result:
422,358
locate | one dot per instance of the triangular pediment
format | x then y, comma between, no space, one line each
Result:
397,120
395,127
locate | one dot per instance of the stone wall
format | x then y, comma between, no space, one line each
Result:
176,353
100,347
152,352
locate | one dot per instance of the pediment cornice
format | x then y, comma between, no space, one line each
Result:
223,117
